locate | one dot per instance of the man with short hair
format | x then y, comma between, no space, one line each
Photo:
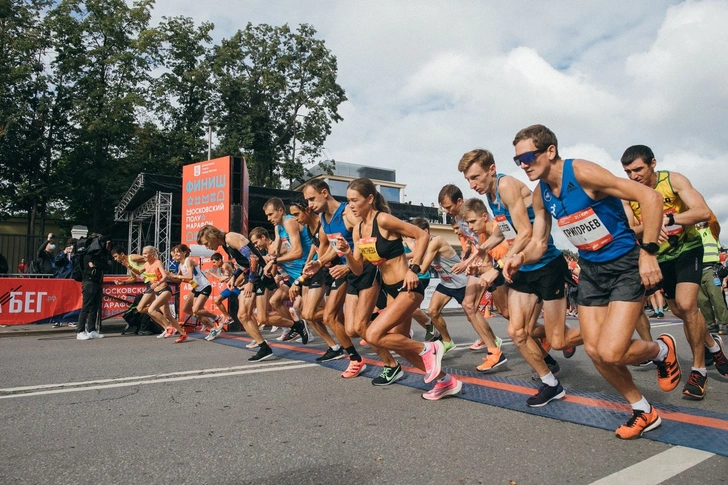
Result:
586,200
451,201
679,254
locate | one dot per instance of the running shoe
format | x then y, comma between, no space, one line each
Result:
495,358
695,387
638,424
292,335
74,324
264,352
443,389
435,336
181,338
569,352
228,321
430,332
432,359
162,335
214,332
331,354
273,329
82,336
363,343
95,334
170,332
302,328
643,364
719,359
713,327
284,334
554,368
58,325
668,371
478,345
545,344
722,331
252,345
388,376
355,368
448,345
545,395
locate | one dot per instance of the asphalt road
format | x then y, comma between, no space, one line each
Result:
128,409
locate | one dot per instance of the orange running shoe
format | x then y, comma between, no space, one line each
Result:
546,345
355,368
668,371
494,359
181,338
363,343
638,424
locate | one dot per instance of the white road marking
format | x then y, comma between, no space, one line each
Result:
658,468
152,379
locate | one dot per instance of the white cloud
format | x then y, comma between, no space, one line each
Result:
428,81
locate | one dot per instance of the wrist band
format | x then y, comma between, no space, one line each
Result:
523,257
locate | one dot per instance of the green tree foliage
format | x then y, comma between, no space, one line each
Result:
91,95
275,99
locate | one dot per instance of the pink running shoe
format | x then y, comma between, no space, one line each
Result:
478,345
433,360
355,368
443,389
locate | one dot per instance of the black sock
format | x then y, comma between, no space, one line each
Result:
549,360
353,354
264,345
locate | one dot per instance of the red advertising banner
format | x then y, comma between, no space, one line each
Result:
205,197
35,300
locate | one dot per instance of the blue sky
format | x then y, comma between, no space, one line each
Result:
428,81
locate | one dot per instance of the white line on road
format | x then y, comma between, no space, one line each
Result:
154,379
658,468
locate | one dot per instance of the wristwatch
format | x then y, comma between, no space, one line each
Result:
415,268
670,219
651,248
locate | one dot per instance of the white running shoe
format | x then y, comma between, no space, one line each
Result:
273,329
95,334
82,336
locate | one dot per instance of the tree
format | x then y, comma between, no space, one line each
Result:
25,110
100,66
275,99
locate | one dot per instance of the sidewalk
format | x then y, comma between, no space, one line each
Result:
112,325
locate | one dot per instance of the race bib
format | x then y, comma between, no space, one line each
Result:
333,240
506,228
585,230
368,249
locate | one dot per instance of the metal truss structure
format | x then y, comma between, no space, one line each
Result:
154,214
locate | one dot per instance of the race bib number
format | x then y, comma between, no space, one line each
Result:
506,228
368,249
333,241
285,245
585,230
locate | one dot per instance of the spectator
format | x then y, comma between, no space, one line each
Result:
3,264
43,263
95,262
22,267
64,260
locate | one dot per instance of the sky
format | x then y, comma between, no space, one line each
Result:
427,81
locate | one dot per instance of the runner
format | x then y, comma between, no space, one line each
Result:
212,238
378,239
510,200
680,255
442,257
188,272
134,263
451,201
159,308
225,273
585,199
312,288
356,294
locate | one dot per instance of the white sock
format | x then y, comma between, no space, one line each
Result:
663,351
336,348
715,348
641,405
703,371
550,380
427,349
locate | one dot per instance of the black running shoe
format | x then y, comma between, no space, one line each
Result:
545,395
430,332
695,388
292,335
718,358
713,327
302,329
388,376
331,354
264,352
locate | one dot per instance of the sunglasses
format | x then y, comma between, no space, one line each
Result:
527,158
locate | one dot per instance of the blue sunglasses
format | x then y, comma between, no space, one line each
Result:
527,158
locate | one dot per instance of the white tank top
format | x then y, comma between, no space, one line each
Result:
199,280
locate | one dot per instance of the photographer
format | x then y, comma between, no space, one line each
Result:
95,260
43,263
